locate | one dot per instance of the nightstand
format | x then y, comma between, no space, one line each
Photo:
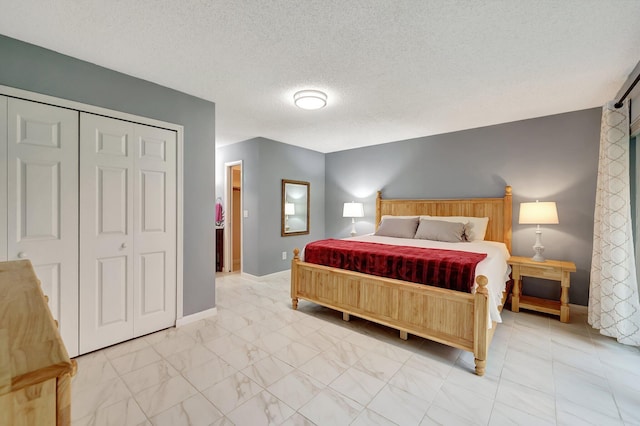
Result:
555,270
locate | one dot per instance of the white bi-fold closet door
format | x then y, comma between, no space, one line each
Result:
127,230
39,201
91,201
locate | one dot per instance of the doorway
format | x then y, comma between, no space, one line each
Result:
233,230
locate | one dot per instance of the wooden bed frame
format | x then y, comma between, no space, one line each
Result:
454,318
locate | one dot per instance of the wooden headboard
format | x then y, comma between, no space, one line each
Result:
498,210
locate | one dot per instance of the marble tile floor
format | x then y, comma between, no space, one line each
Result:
258,362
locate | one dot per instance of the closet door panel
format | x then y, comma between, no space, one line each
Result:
106,231
3,178
155,229
42,219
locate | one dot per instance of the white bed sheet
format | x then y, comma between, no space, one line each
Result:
494,266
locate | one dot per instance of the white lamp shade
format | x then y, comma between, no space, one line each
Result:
353,210
289,209
538,213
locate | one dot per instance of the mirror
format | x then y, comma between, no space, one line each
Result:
295,208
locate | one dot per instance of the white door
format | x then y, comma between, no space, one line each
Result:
154,230
42,218
3,178
128,230
106,231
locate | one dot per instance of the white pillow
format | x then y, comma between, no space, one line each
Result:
476,227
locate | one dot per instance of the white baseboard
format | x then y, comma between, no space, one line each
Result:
196,317
250,276
265,277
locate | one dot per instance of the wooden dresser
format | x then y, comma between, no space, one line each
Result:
35,369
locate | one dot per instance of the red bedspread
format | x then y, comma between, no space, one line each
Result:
451,269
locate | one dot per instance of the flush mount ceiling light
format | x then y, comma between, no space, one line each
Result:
310,99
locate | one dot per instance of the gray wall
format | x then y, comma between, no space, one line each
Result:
32,68
265,164
553,158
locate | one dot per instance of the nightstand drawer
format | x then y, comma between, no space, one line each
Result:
541,271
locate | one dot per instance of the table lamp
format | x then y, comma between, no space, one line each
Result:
538,213
353,210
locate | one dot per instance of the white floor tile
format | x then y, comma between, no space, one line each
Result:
208,374
86,401
527,401
124,348
272,342
258,361
418,382
378,366
149,375
158,398
192,357
570,413
437,415
244,356
193,411
296,389
297,419
93,368
296,354
262,409
510,415
464,403
324,368
174,344
331,408
357,385
207,332
123,413
135,360
371,418
399,406
232,392
581,390
267,371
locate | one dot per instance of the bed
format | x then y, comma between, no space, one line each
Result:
454,318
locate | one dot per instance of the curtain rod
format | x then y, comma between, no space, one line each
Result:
619,103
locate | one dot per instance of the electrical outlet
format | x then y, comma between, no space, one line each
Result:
284,255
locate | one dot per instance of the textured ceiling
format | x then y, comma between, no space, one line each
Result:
393,70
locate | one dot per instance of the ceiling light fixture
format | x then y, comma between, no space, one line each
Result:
310,99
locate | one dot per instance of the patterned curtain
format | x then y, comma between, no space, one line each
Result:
614,304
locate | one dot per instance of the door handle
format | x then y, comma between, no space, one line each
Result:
123,245
22,255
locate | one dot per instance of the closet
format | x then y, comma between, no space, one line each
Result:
92,202
127,230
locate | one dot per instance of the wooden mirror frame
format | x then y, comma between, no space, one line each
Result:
284,227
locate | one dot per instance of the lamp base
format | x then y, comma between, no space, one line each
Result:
538,258
538,248
353,227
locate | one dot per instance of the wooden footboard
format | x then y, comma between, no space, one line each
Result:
450,317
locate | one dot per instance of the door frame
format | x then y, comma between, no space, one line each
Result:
82,107
228,234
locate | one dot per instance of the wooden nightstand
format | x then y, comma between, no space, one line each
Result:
555,270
